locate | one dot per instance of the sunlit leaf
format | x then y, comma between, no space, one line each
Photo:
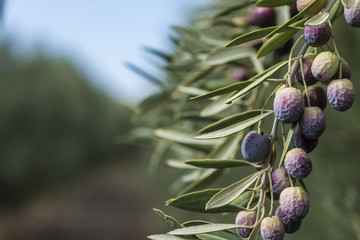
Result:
231,192
348,3
227,89
215,107
231,120
182,137
293,20
276,41
258,81
287,143
318,19
272,3
196,201
224,55
168,237
168,220
206,228
234,128
250,36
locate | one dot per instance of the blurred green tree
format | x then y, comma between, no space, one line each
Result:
53,123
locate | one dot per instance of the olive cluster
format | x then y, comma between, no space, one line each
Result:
305,109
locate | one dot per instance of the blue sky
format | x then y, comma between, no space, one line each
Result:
100,35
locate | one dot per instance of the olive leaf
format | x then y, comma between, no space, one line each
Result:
234,128
196,201
287,143
231,120
215,107
227,89
206,228
268,73
219,163
230,193
318,19
292,20
250,36
180,136
170,221
348,3
272,3
168,237
224,55
232,8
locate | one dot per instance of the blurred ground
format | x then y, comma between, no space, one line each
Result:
110,204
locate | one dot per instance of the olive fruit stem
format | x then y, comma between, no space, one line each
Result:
304,82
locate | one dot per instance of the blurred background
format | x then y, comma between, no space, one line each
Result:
67,90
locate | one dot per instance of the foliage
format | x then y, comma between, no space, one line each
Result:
53,123
209,114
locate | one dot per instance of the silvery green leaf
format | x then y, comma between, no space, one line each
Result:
318,19
224,55
168,237
287,143
348,3
170,221
234,128
258,81
218,163
206,228
231,120
272,3
231,192
250,36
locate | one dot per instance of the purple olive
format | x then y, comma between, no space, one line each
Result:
297,163
341,94
308,76
294,203
318,35
299,140
255,146
272,228
288,105
245,218
312,123
317,97
352,14
290,225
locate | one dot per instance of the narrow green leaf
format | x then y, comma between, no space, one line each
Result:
348,3
302,183
287,143
195,223
234,128
218,163
206,228
176,163
232,8
191,90
180,136
168,237
231,192
196,202
292,20
231,120
250,36
318,19
275,42
215,107
168,220
228,149
224,55
258,81
272,3
227,89
209,237
205,176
